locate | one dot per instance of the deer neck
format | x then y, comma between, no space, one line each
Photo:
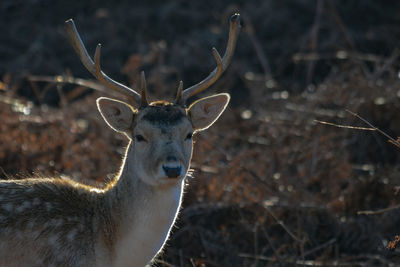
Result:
141,215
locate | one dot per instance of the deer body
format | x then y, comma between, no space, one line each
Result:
45,222
91,234
60,222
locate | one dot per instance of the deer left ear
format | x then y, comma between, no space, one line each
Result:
118,115
204,112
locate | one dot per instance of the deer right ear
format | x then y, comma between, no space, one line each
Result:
205,111
118,115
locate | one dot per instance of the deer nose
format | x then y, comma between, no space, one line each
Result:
172,167
172,170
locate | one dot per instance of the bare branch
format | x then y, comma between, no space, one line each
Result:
345,126
391,139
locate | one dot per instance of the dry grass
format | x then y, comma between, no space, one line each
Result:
272,186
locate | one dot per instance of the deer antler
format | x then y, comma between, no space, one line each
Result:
143,97
94,67
222,63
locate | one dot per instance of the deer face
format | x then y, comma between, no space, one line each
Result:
161,133
162,143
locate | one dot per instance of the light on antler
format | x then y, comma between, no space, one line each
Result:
182,95
94,67
222,63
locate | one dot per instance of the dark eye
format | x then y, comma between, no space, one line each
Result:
189,136
139,138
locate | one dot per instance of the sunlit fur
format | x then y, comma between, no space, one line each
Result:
59,222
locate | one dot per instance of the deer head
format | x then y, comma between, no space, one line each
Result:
160,132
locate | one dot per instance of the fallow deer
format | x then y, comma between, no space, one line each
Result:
60,222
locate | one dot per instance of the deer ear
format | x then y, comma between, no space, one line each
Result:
118,115
204,112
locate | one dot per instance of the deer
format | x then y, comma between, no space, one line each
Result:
61,222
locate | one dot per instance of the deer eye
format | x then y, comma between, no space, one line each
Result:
189,136
140,138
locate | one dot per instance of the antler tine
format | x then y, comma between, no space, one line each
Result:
222,63
178,99
94,67
143,85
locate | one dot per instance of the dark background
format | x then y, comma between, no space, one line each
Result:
272,186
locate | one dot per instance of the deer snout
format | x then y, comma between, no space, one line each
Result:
172,167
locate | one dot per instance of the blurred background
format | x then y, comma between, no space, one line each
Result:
272,186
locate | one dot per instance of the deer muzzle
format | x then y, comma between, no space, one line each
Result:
172,168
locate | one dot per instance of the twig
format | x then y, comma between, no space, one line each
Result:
324,245
374,212
341,25
164,263
345,126
389,62
77,91
272,246
396,143
4,173
60,92
36,90
283,226
249,29
203,243
340,54
314,38
373,128
315,262
347,35
67,79
391,139
255,245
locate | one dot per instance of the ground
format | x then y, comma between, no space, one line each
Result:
272,186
